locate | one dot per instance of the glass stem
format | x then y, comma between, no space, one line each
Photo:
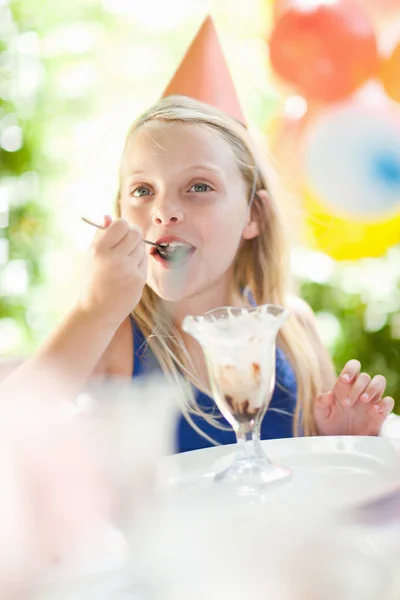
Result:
248,440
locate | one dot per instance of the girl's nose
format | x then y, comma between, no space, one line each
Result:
167,215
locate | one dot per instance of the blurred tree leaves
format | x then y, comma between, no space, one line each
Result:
378,351
29,101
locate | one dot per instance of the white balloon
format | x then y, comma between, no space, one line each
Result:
351,159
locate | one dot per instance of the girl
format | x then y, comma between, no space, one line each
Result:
190,178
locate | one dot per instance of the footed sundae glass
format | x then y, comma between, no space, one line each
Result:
239,345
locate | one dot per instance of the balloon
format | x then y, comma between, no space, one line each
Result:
381,12
350,158
325,50
378,10
346,239
390,74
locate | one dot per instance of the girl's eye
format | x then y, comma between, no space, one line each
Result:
140,191
201,187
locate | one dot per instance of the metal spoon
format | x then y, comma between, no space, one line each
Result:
160,247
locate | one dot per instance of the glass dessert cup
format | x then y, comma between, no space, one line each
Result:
239,345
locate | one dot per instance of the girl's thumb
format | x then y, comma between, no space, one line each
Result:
107,220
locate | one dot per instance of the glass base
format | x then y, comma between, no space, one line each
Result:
252,475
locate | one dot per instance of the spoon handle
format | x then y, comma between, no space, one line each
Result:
89,222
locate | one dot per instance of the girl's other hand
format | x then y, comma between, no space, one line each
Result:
355,406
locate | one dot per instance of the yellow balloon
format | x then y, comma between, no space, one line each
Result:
345,238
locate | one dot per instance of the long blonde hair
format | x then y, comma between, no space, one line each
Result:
261,265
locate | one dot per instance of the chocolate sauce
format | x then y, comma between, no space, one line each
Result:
242,411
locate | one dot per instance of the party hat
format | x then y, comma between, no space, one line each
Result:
204,75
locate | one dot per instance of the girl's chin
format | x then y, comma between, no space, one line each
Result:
171,290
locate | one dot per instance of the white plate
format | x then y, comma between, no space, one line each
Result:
333,471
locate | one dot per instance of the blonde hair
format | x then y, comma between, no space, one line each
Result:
261,266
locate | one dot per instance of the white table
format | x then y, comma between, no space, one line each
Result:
328,473
333,470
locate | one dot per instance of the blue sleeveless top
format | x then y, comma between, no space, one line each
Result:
277,422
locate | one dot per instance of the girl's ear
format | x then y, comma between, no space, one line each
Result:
252,228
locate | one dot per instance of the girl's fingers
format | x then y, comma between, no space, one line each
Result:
107,220
142,266
358,388
129,243
137,255
323,405
375,390
105,239
343,385
383,408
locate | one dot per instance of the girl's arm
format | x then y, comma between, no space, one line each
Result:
66,360
113,286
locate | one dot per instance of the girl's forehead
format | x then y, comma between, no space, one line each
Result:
178,144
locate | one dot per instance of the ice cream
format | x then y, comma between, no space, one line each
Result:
244,390
239,345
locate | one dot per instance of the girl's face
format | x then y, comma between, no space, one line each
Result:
180,183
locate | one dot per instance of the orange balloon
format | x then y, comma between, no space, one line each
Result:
377,9
390,74
325,51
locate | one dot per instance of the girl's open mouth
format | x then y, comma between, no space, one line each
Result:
172,252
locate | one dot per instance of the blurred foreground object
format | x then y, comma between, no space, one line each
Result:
79,479
221,547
